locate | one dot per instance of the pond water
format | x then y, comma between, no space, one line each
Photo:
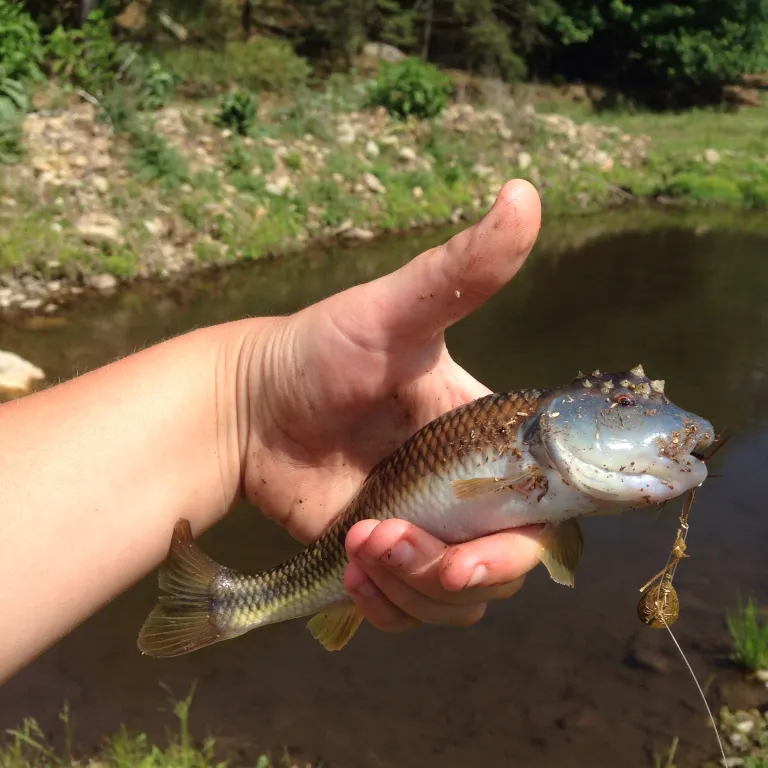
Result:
552,677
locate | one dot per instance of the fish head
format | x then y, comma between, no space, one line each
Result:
621,441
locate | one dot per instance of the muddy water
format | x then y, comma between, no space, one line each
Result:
554,676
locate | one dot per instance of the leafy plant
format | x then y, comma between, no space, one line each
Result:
749,635
155,160
238,111
88,57
686,48
21,47
260,64
156,86
411,87
13,107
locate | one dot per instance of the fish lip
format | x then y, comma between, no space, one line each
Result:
665,471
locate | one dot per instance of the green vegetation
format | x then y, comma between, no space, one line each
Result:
280,150
21,47
749,635
261,64
689,49
411,87
668,760
27,747
238,111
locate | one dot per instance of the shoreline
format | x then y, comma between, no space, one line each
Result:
89,211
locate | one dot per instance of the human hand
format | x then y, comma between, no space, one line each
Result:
332,389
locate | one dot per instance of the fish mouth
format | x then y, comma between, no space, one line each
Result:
666,468
692,440
661,480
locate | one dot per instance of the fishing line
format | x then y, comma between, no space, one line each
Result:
701,692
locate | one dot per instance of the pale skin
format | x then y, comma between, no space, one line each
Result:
290,413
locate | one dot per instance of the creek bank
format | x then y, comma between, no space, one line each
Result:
89,209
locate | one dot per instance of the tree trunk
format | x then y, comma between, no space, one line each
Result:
86,6
247,19
428,12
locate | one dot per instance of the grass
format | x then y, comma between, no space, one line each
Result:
27,747
749,636
740,130
667,761
224,206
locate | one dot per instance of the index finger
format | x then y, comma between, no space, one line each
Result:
462,574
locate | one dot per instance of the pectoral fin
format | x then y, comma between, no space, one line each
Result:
479,486
562,552
335,627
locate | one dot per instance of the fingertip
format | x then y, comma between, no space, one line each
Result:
516,211
358,534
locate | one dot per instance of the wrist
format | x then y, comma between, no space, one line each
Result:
245,352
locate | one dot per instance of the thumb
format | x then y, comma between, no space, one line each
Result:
446,283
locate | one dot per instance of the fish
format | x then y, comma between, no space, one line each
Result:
601,444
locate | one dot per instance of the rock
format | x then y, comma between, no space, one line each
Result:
31,304
418,193
373,183
505,133
17,376
383,52
483,171
157,227
101,162
762,676
603,161
345,134
524,160
79,161
97,228
748,97
103,283
745,726
358,233
737,740
278,187
100,184
711,156
407,154
372,148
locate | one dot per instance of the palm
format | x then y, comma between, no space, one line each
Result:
374,368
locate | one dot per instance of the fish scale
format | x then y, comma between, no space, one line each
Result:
316,574
502,461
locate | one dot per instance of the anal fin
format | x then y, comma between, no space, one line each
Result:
562,552
335,627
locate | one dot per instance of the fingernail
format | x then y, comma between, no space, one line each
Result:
478,576
401,554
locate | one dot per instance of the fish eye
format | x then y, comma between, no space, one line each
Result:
625,400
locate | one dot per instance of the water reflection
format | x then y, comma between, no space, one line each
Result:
548,679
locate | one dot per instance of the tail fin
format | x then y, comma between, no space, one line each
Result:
182,621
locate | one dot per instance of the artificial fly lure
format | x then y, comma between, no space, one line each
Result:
659,605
